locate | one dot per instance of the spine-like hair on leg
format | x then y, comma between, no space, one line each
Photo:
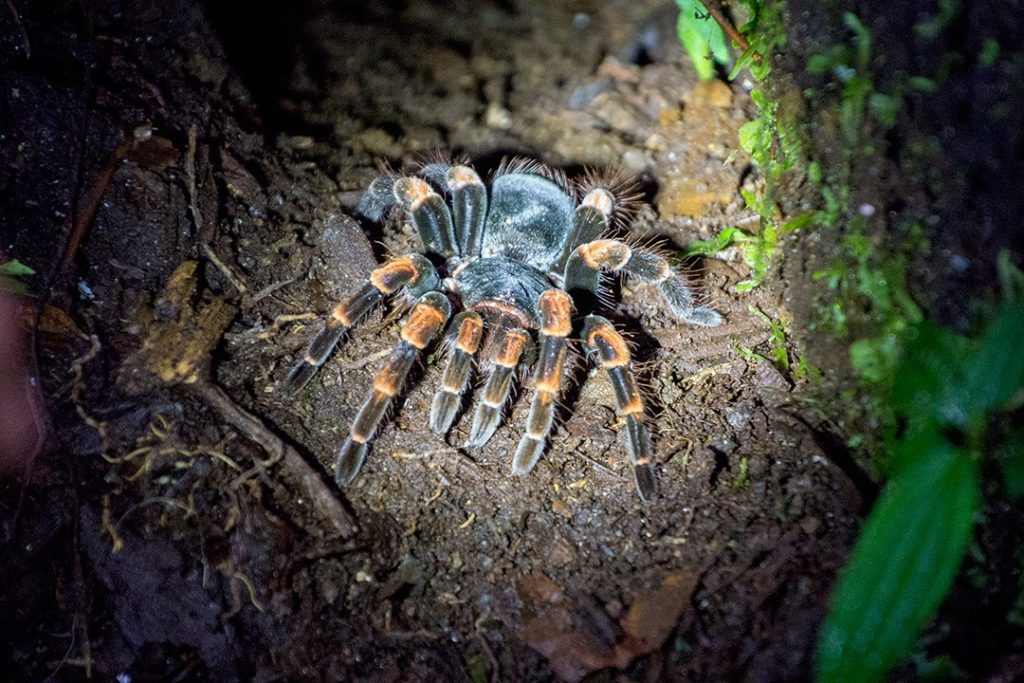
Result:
603,295
686,266
379,199
623,188
434,166
643,371
656,244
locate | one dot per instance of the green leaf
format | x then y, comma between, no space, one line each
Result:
755,137
903,564
10,271
862,39
928,388
875,359
15,268
989,52
742,62
885,108
755,8
995,373
922,84
701,37
796,223
1011,278
716,243
746,285
1010,455
824,62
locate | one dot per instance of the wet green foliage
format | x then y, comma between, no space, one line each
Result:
949,393
10,272
867,278
772,143
756,248
903,564
872,281
702,37
949,405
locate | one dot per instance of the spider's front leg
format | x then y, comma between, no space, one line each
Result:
414,273
583,273
556,324
512,345
469,202
602,340
423,207
467,330
424,322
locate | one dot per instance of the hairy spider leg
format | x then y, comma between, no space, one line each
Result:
429,215
421,326
591,220
556,324
469,208
414,272
511,347
467,330
602,340
583,274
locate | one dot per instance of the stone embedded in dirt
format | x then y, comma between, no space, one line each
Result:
767,375
713,93
559,507
614,110
379,143
615,69
241,184
684,196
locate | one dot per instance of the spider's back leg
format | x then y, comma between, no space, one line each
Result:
419,329
556,324
583,274
512,345
413,272
601,339
467,331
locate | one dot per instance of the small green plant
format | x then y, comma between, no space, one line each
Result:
949,391
873,281
742,477
778,350
10,272
771,140
703,39
862,101
867,276
755,247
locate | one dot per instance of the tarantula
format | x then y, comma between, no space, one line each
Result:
519,260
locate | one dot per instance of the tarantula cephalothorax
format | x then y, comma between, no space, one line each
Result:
519,259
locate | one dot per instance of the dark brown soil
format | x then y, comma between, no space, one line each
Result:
184,182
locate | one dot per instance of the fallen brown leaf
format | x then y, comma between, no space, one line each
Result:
568,632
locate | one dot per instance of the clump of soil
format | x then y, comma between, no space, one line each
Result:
190,179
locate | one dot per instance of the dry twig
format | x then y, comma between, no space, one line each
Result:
716,13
